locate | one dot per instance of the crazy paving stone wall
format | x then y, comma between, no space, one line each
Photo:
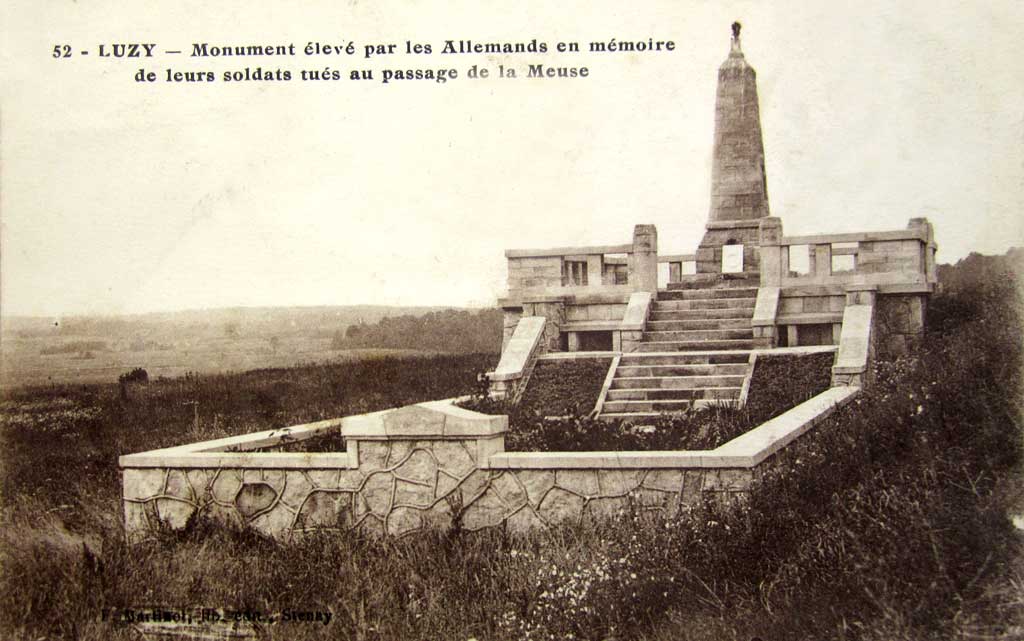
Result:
404,486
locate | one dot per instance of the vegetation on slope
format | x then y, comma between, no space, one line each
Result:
778,384
565,387
891,521
456,331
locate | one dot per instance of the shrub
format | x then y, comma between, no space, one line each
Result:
137,375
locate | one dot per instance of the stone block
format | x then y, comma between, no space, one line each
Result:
378,490
439,516
582,482
178,485
509,490
791,306
536,483
404,520
816,304
200,480
398,451
524,521
619,482
325,509
664,480
373,455
414,494
607,508
254,498
296,488
453,457
226,485
693,487
136,521
372,527
143,483
473,485
486,511
446,483
276,523
648,499
414,420
419,466
174,513
225,515
727,480
561,506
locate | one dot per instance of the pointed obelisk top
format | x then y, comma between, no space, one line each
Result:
735,49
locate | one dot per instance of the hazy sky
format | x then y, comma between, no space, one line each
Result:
118,196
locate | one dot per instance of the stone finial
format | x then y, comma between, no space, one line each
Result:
735,45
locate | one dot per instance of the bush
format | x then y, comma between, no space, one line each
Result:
137,375
565,387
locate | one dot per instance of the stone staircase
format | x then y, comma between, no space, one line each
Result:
694,351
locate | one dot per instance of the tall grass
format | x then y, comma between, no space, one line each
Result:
889,521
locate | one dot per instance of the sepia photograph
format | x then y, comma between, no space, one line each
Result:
434,320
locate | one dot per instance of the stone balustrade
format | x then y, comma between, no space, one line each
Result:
679,265
899,260
899,266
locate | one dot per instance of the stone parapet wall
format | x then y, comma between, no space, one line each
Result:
434,465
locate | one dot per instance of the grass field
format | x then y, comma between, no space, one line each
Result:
892,521
39,351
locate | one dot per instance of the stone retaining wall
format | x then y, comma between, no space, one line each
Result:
434,465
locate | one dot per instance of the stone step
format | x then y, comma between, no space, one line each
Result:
704,303
676,382
707,394
697,323
699,314
679,346
700,294
697,335
633,371
633,417
676,358
705,281
631,407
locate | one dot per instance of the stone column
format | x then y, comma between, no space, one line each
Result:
643,262
770,234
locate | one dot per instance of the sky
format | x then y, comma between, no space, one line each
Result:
124,197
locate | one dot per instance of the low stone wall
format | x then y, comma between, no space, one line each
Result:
434,465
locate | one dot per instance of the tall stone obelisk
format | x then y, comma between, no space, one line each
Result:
739,190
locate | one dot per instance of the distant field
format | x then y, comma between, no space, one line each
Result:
29,361
97,349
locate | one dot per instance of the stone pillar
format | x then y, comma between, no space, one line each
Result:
769,236
928,235
509,322
553,309
643,262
